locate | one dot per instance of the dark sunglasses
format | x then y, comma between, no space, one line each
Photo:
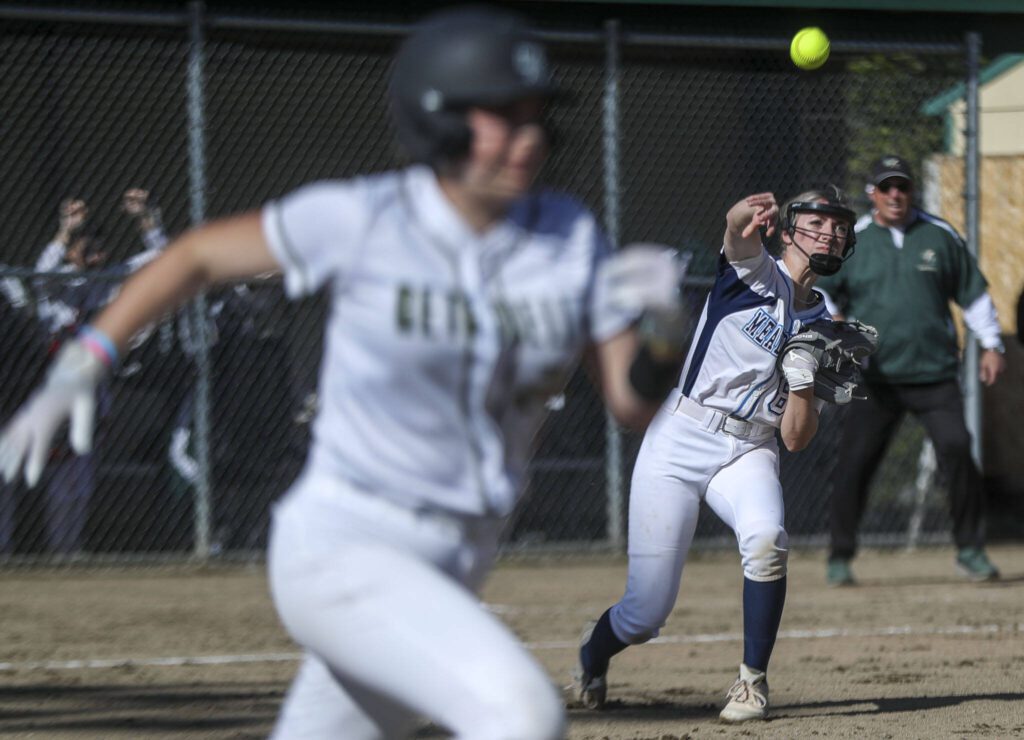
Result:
886,185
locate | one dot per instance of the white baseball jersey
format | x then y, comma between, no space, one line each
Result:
442,344
747,318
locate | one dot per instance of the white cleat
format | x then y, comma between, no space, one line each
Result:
588,691
748,697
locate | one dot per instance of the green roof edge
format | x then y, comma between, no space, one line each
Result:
937,105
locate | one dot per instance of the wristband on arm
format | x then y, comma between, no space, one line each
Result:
99,344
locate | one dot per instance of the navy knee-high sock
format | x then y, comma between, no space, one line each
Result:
603,644
762,613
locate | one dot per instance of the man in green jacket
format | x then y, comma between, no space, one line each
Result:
908,266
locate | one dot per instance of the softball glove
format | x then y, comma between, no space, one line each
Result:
829,355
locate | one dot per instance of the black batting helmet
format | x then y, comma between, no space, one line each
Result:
456,59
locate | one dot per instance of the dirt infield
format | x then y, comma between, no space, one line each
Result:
913,652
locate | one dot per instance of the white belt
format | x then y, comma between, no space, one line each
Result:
717,421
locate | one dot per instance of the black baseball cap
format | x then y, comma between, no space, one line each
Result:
890,165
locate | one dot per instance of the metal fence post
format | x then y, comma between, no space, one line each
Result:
972,384
197,196
613,455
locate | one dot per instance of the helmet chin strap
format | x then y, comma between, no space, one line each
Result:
825,264
821,264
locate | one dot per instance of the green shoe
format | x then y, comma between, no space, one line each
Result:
974,564
838,573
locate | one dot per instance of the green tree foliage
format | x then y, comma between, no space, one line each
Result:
884,95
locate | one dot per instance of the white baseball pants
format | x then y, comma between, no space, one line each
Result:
382,599
679,464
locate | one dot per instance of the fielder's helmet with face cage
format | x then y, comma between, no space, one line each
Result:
456,59
829,201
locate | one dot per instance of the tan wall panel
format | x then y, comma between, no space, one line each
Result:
1001,113
1002,224
1002,261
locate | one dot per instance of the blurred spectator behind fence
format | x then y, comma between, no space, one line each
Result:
23,355
908,266
66,302
256,424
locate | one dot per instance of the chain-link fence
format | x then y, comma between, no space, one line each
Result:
207,420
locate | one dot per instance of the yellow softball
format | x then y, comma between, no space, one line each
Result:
809,48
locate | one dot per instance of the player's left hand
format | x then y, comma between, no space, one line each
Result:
69,393
829,355
642,277
991,366
645,281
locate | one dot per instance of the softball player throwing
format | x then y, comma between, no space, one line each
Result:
460,301
715,439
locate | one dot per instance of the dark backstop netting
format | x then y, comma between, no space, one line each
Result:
208,420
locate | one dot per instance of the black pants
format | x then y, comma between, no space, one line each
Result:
867,431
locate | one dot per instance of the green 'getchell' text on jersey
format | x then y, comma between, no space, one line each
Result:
904,292
442,345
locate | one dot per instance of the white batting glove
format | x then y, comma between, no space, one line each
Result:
69,393
799,368
643,277
644,282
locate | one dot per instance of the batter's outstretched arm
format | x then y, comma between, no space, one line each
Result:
224,250
229,249
743,224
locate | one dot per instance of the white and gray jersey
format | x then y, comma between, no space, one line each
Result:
442,345
747,318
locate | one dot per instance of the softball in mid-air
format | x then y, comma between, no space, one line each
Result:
809,48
